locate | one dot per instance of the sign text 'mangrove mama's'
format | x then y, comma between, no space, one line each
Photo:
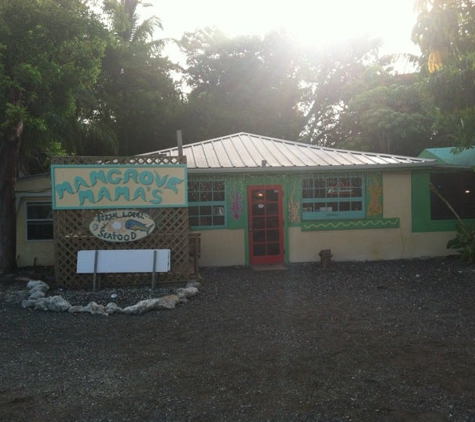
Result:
93,187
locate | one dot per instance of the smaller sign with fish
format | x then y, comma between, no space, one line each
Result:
122,225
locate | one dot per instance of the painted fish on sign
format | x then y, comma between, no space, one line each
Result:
122,225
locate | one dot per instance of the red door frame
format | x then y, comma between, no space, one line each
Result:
265,224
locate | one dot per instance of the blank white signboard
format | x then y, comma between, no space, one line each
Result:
124,261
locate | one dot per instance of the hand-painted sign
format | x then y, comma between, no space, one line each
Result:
121,226
118,186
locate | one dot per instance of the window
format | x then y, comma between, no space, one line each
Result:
39,221
333,197
206,202
458,188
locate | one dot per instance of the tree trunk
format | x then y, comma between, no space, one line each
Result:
9,153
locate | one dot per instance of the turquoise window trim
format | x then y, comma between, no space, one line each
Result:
214,205
325,214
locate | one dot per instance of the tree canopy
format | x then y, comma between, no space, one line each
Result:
137,98
50,53
242,84
445,32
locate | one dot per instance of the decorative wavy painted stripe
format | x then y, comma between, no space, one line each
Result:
380,223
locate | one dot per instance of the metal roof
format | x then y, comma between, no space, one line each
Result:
450,156
244,152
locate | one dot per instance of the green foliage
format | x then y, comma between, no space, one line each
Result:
464,242
242,84
52,150
137,97
50,52
445,32
331,75
388,117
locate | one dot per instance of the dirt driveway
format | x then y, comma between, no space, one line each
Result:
383,341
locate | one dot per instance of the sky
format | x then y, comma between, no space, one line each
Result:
310,21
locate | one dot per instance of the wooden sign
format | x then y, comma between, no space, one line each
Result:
118,186
122,225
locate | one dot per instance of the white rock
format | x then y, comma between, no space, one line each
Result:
37,294
34,285
186,292
193,283
92,308
167,302
52,303
28,303
113,308
141,307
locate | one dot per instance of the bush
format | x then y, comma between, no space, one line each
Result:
464,242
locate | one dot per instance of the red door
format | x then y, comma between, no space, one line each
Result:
265,222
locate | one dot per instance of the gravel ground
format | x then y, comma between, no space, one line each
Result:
380,341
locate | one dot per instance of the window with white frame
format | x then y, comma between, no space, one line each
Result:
39,221
333,197
206,203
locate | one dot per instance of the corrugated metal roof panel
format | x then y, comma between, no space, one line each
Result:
243,151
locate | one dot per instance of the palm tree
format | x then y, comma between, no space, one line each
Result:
136,83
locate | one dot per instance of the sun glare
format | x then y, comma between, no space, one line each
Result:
309,21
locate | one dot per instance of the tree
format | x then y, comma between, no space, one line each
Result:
50,52
138,97
241,84
386,115
327,72
445,33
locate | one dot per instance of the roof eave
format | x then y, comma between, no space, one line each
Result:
299,169
455,167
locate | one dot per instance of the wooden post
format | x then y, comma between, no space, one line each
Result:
179,142
325,257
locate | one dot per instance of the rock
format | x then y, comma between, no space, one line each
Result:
37,299
113,308
37,285
186,292
52,303
92,308
165,302
37,294
28,303
141,307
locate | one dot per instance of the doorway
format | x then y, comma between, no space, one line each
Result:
265,225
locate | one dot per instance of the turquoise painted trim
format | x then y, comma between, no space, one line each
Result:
343,215
381,223
112,207
210,204
449,155
223,203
